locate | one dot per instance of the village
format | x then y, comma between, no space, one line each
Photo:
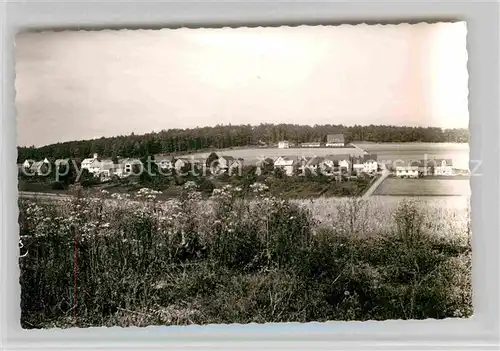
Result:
340,166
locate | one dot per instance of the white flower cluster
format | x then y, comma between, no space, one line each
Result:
119,196
190,185
226,190
147,193
259,187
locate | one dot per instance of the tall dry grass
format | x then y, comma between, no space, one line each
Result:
229,260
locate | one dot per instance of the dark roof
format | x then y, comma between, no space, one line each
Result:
162,157
370,157
338,157
314,161
335,138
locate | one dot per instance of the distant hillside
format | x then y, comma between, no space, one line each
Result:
226,136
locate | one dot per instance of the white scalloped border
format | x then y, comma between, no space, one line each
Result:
238,327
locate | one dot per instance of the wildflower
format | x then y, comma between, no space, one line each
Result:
347,293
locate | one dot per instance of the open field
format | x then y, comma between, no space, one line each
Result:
424,187
377,213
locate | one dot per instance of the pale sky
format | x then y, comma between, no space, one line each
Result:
83,85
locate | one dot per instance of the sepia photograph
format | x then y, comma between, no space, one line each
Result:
199,176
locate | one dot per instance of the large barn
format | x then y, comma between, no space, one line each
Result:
335,140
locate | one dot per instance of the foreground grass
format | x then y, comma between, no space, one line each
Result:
236,261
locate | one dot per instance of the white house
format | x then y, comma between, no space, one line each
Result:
106,169
236,167
335,140
285,163
343,162
230,164
443,167
87,163
283,144
358,164
409,171
370,163
27,164
413,169
119,170
95,167
314,164
224,162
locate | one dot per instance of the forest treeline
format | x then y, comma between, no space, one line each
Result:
227,136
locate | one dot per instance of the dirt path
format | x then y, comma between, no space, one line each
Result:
360,149
48,196
375,185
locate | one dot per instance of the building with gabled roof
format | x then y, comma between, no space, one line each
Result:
335,140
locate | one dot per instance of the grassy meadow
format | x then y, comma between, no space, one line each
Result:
424,187
228,259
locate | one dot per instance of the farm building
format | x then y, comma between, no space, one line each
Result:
412,170
285,163
283,144
335,140
311,144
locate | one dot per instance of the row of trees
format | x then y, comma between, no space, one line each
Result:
226,136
